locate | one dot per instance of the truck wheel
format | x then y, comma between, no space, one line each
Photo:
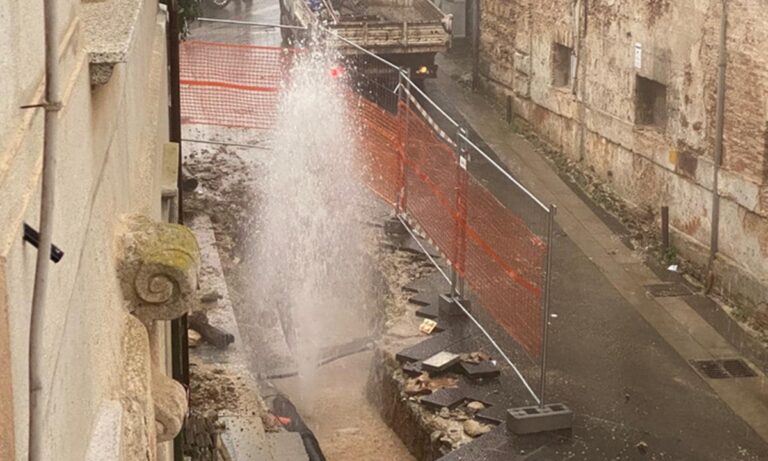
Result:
285,33
220,3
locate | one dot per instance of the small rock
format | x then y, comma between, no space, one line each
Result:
454,433
475,407
348,431
475,429
465,79
193,338
475,357
210,297
642,447
444,412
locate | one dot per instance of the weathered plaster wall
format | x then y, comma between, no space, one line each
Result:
593,118
109,153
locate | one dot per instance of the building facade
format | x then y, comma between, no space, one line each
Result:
629,89
105,392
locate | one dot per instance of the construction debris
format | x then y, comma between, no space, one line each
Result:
475,357
475,429
475,407
427,326
424,384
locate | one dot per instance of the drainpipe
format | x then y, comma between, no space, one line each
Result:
179,348
475,43
723,63
579,77
39,296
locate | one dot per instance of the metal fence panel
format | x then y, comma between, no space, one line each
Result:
495,234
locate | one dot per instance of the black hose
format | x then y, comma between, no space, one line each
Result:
281,406
353,347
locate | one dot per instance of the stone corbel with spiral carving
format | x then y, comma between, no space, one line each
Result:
158,268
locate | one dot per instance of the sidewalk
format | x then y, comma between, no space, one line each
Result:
224,391
619,356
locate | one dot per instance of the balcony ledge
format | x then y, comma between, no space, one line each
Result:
108,27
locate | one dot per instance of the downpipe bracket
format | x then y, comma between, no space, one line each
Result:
48,106
32,236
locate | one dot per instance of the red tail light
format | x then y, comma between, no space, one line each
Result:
337,71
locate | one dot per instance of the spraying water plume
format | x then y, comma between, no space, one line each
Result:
312,262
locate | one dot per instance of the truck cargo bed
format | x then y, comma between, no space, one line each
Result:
377,11
407,32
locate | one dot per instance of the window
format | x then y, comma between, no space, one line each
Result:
561,65
650,103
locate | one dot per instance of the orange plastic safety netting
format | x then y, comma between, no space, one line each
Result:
230,85
408,162
380,133
494,250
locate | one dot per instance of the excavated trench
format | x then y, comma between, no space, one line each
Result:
317,276
353,400
355,405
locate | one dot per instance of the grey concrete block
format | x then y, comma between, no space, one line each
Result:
535,419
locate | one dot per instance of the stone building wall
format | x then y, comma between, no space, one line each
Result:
629,89
105,394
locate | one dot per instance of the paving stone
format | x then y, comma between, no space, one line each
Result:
482,370
445,398
495,414
413,369
441,361
426,348
430,311
417,301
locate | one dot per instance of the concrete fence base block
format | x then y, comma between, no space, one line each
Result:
447,305
535,419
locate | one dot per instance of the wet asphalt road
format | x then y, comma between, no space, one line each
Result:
261,11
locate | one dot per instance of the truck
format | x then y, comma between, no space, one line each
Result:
408,33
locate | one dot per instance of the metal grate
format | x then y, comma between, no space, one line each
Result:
667,290
723,369
738,369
